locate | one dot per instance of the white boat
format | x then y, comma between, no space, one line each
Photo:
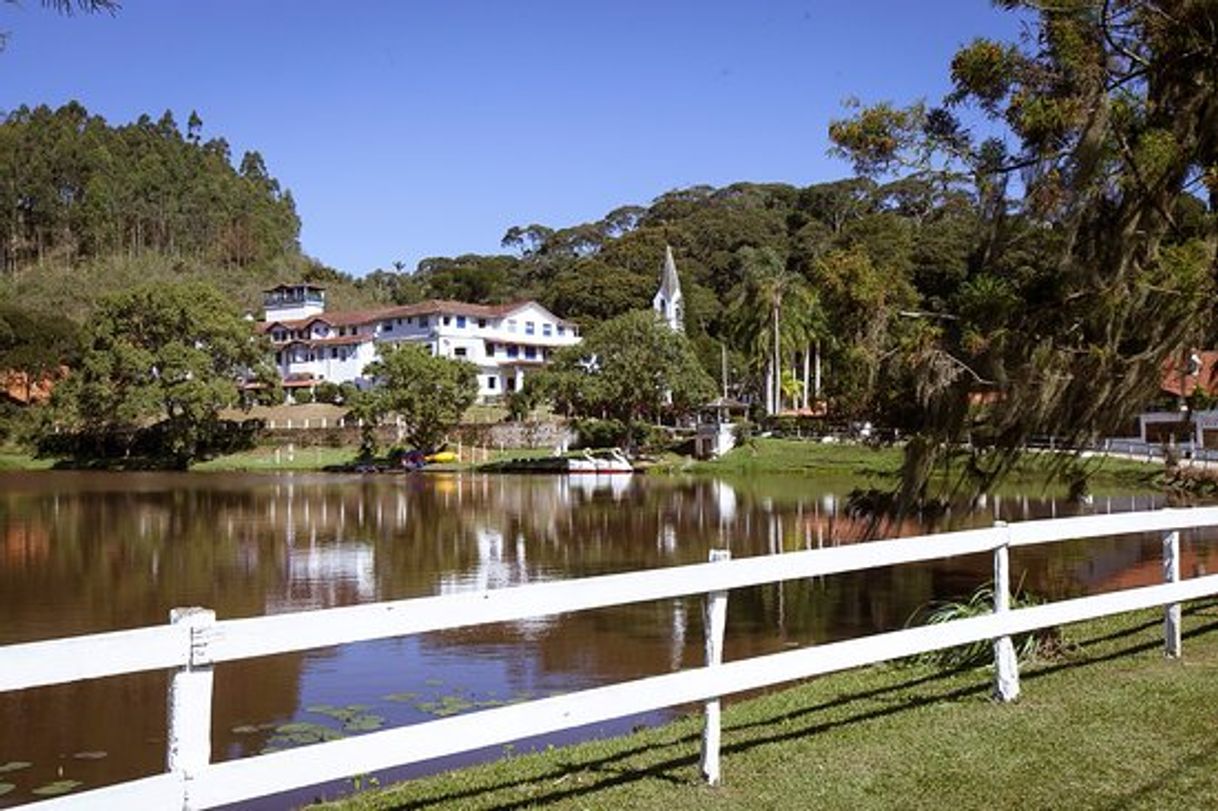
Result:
610,461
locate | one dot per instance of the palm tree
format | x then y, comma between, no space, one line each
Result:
771,311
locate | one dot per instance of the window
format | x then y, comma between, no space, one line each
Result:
482,325
334,353
547,329
459,352
530,352
279,357
408,320
511,325
528,327
422,320
460,322
447,320
490,382
490,350
513,351
387,326
562,330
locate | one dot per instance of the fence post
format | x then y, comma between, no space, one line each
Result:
1006,666
714,621
190,692
1171,612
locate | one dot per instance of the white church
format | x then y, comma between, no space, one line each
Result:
505,342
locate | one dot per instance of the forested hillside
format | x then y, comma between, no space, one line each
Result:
864,251
86,205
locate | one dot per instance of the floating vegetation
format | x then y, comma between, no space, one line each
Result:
353,717
5,788
14,765
56,788
245,729
91,755
404,698
454,705
300,733
445,706
434,682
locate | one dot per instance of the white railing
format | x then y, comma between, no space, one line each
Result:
194,642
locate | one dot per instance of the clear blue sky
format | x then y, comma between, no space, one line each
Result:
412,129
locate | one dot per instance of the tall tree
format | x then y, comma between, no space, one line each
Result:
629,368
169,354
429,393
1114,107
771,304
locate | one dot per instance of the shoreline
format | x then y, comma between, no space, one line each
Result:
853,465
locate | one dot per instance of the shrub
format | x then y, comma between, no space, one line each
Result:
329,392
976,654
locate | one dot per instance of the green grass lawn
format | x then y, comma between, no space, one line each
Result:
857,465
18,460
1109,724
279,458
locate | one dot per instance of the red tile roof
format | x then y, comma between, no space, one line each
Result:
1176,379
437,306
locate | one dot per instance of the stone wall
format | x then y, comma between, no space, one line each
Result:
313,432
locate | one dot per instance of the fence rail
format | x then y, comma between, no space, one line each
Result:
195,641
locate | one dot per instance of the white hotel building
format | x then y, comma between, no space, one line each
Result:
503,341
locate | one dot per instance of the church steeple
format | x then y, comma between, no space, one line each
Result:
668,301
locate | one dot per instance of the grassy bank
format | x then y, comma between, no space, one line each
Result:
764,460
18,460
270,459
1111,724
864,466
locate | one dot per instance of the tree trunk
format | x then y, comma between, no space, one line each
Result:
807,363
817,378
777,366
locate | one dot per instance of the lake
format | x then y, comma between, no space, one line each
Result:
90,552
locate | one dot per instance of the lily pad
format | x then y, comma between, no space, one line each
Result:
56,788
13,766
97,754
364,723
5,788
353,717
322,709
301,734
401,697
446,706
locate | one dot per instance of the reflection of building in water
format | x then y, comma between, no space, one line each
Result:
495,569
323,575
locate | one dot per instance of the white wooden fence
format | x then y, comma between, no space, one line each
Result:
194,642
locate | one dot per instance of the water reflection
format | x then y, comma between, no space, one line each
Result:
81,553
